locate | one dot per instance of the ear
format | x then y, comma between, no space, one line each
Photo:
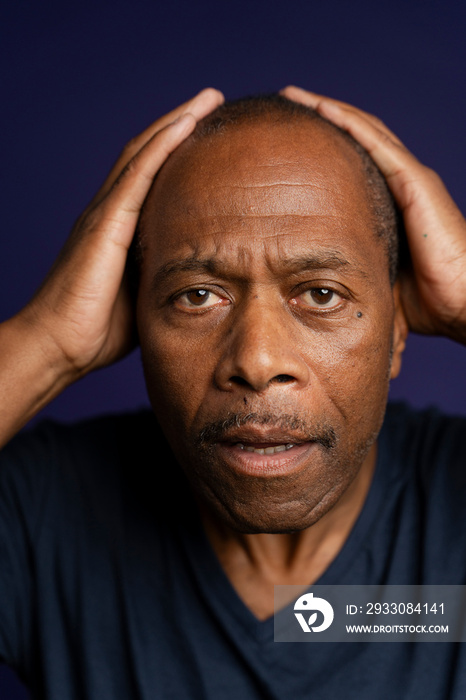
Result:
400,331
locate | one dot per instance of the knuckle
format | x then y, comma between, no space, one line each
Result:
126,172
89,222
378,122
130,147
90,226
386,140
131,167
431,174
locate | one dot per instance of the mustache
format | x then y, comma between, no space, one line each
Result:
217,431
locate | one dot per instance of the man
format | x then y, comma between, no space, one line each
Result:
270,323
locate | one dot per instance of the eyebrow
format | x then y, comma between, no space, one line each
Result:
193,264
328,260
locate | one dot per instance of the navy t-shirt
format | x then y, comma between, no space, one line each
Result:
110,590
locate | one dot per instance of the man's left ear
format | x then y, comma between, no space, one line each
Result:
400,331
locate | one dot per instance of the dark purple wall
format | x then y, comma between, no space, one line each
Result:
80,79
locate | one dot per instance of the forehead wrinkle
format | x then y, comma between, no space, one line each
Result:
263,186
280,199
250,215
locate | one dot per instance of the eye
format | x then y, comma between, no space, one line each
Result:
199,298
320,297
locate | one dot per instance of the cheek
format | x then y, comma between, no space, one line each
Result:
353,369
178,371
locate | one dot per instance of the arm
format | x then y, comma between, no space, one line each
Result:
434,291
81,318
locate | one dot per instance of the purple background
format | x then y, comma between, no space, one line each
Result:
79,80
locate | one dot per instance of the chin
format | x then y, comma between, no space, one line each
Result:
288,519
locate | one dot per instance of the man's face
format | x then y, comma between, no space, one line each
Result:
266,321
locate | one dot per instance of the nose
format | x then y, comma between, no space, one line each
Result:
261,350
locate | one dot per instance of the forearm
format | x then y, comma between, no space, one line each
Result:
32,373
82,317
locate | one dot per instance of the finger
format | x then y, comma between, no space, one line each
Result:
321,102
99,246
117,215
394,160
396,163
199,106
435,226
324,106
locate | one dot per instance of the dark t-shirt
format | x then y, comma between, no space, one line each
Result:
110,590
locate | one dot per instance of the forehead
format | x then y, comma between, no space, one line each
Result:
293,183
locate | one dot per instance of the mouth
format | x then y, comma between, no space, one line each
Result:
264,453
265,444
266,449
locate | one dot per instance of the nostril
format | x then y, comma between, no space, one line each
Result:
239,380
283,378
279,378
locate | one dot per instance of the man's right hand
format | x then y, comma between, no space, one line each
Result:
81,318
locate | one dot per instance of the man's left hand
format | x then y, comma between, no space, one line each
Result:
434,291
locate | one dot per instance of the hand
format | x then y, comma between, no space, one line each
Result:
434,291
83,309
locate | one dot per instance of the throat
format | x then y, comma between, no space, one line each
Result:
255,570
256,563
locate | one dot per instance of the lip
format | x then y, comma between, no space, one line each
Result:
266,465
263,434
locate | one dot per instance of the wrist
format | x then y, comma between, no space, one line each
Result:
39,350
31,374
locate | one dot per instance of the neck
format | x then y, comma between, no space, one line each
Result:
255,563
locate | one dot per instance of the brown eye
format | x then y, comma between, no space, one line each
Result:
199,298
321,297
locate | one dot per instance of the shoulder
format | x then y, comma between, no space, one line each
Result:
54,458
428,442
50,439
429,429
101,482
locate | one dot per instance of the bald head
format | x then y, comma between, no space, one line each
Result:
267,114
